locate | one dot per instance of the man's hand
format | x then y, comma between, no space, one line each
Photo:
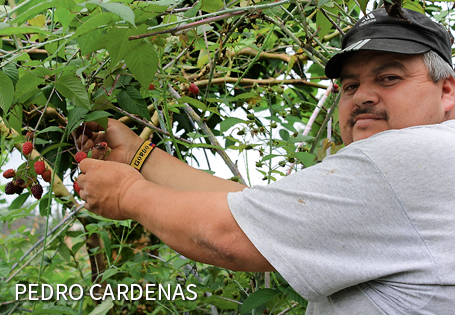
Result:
104,185
121,139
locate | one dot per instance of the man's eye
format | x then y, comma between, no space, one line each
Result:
350,87
390,78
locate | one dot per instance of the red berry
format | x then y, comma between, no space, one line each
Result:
84,130
37,191
40,167
27,147
76,187
79,156
9,173
47,176
11,188
194,89
151,87
29,135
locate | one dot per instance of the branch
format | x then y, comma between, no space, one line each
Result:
208,18
190,112
270,81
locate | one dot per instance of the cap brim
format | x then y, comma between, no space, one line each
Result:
399,46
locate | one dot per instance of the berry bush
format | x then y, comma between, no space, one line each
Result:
207,81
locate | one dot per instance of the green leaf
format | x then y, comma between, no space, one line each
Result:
93,41
10,70
4,269
413,5
143,63
26,83
212,5
43,206
257,298
221,303
229,122
72,88
118,43
323,23
55,146
93,116
102,19
50,129
192,101
74,117
131,100
363,6
306,158
103,308
57,309
106,243
64,251
109,273
119,9
6,92
33,11
19,201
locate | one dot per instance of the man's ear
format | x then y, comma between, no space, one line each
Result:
448,95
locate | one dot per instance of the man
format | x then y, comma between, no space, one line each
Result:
370,230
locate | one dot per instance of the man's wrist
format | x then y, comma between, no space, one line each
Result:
142,154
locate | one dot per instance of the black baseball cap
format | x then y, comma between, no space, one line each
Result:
377,31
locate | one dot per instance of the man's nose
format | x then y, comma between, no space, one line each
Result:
365,95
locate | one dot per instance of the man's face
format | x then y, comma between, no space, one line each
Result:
382,91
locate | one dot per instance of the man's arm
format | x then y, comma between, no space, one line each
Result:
160,167
197,224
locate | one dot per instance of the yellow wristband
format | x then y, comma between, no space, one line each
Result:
141,155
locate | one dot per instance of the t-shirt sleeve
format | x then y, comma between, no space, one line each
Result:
331,226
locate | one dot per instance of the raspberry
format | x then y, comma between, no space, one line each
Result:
194,89
9,173
29,135
40,167
11,188
27,147
79,156
152,87
47,176
76,187
37,191
84,130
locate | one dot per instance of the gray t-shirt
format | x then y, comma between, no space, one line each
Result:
370,230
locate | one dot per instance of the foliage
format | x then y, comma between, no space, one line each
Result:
259,70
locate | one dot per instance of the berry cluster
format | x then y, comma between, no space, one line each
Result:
17,185
23,177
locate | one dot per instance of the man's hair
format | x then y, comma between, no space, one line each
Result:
437,68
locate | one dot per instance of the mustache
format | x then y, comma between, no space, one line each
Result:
366,110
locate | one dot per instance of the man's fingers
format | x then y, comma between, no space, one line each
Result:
86,164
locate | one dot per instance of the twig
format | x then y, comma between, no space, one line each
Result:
332,21
208,18
190,112
145,123
308,126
